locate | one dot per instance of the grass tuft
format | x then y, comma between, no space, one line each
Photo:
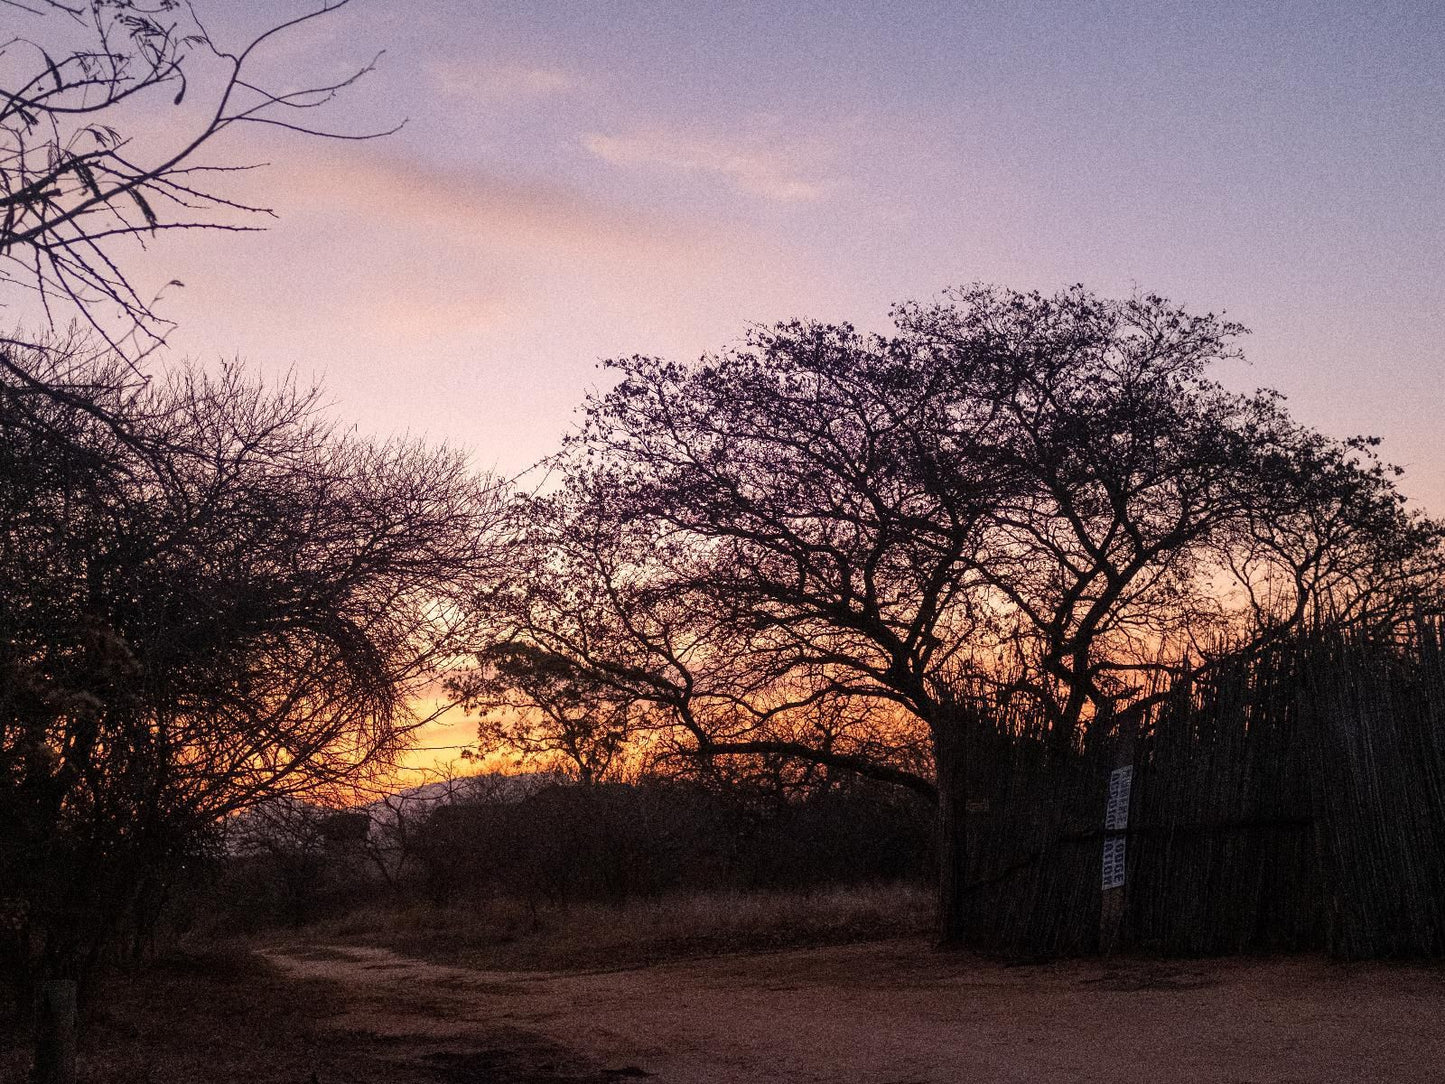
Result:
505,934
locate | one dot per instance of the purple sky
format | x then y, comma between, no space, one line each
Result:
578,181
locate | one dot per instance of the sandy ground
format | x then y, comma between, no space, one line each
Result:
897,1013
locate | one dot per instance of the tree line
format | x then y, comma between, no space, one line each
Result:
538,845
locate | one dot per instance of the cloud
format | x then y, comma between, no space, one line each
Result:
492,84
761,164
382,251
460,205
468,301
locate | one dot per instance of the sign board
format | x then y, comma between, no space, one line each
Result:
1121,780
1116,820
1114,862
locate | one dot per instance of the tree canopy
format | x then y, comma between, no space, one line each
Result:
217,601
1015,507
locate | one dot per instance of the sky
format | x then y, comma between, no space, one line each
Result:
577,181
582,181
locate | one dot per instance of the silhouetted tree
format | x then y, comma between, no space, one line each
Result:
541,706
106,118
1015,500
602,613
230,603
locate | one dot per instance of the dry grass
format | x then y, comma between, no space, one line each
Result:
509,935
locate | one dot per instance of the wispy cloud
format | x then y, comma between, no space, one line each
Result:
436,252
761,164
456,205
492,84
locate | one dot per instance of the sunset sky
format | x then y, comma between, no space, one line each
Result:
582,180
577,181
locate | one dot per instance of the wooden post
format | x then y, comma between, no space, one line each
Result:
1116,825
55,1033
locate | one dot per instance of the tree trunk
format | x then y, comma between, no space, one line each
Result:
952,841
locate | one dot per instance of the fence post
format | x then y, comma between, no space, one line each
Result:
1116,825
55,1033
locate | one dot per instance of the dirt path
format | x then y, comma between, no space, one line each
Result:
896,1013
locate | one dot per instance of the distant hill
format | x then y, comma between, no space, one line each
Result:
291,823
491,787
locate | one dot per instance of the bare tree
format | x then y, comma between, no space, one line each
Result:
1154,514
106,114
605,633
545,710
232,605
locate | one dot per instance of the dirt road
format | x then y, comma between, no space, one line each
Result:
897,1012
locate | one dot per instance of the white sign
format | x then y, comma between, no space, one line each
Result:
1116,819
1114,862
1121,780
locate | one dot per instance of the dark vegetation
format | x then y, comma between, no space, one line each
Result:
215,601
212,597
536,854
1288,801
1021,519
615,841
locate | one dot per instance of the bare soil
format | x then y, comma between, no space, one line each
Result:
891,1012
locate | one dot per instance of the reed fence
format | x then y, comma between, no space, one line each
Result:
1294,800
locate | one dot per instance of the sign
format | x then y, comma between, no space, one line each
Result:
1121,780
1114,862
1116,820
